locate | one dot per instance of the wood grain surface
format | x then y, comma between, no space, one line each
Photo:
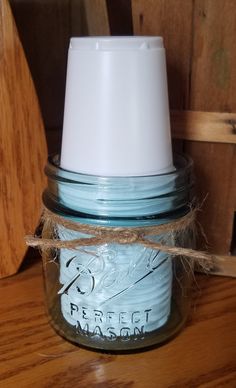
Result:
171,19
97,17
211,127
223,266
200,43
212,88
23,150
32,355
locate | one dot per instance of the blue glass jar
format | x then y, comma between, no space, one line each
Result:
117,297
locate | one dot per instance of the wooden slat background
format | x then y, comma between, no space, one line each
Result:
201,56
212,88
200,41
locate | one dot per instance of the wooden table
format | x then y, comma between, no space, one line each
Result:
32,355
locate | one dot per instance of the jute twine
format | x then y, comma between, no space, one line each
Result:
124,235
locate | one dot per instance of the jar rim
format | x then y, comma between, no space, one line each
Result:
142,199
182,163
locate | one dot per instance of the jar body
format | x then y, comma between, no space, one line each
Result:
118,297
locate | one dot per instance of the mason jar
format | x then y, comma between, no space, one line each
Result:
113,296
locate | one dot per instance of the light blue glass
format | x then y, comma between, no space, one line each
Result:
113,296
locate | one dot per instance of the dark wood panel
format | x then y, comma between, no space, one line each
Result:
45,27
120,17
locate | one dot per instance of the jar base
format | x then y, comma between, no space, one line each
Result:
131,344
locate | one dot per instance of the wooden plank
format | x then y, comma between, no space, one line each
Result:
97,17
185,125
165,18
23,150
33,355
212,88
224,266
213,75
201,64
214,166
204,126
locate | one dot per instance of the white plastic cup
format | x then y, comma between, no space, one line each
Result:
116,118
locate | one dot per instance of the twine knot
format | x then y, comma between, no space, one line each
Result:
127,237
123,235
